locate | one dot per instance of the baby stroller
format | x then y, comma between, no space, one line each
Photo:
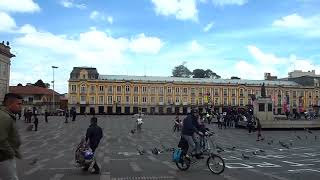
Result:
84,157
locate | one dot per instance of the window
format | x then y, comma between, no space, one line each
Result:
294,103
216,101
185,90
249,101
241,92
225,92
233,92
92,88
153,90
193,91
118,89
127,89
144,99
200,91
101,100
83,88
82,98
144,89
200,101
153,100
233,101
101,88
225,101
30,99
127,99
269,107
73,99
110,100
310,94
216,92
92,100
169,100
169,90
109,89
177,99
119,99
73,88
136,89
161,99
241,102
193,101
177,90
261,107
135,99
161,90
185,99
294,94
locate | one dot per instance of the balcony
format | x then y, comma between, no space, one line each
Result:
161,103
185,103
83,92
83,102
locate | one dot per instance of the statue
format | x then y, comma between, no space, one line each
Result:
263,91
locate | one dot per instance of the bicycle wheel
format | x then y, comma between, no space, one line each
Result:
215,164
184,163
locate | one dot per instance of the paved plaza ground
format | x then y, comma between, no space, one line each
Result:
48,154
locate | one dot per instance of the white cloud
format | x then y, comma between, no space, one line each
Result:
143,44
306,26
195,46
71,4
181,9
208,27
229,2
110,19
19,6
27,29
98,16
265,58
7,23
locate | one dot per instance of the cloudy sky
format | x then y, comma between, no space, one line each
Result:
243,38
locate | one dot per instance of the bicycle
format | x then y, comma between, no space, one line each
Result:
214,162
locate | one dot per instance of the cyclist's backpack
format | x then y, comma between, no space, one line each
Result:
176,155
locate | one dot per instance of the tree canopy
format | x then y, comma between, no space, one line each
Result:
183,71
40,83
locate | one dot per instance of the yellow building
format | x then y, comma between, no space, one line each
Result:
119,94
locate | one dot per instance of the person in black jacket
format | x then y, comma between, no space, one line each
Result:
93,137
190,127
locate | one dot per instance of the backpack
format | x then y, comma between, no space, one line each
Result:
176,155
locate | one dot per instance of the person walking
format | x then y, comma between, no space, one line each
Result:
93,137
46,114
9,137
259,127
35,122
66,114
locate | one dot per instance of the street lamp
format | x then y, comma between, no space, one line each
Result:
53,67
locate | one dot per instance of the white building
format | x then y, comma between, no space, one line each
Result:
299,73
5,56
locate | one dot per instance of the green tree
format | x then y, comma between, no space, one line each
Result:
181,71
235,77
198,73
40,83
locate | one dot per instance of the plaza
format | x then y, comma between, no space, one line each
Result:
48,154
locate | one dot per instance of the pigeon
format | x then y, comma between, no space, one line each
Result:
269,143
309,131
298,137
315,138
283,144
231,149
255,153
244,156
291,144
132,131
262,139
262,150
306,137
34,161
141,152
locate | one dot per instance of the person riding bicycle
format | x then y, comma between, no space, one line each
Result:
189,129
139,123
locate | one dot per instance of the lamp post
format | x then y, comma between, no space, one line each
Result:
53,67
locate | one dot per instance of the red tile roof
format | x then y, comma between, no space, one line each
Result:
31,90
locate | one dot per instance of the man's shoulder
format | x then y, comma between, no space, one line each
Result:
4,114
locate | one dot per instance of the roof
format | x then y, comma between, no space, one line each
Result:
195,80
31,90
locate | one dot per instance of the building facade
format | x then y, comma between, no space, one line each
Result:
90,92
37,98
5,56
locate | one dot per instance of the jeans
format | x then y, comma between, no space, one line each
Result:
194,145
8,170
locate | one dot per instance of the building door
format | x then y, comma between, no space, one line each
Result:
160,110
82,109
185,110
152,110
169,110
144,110
101,109
109,110
118,110
92,111
135,110
127,110
177,110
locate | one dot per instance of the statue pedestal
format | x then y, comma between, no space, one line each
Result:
263,109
